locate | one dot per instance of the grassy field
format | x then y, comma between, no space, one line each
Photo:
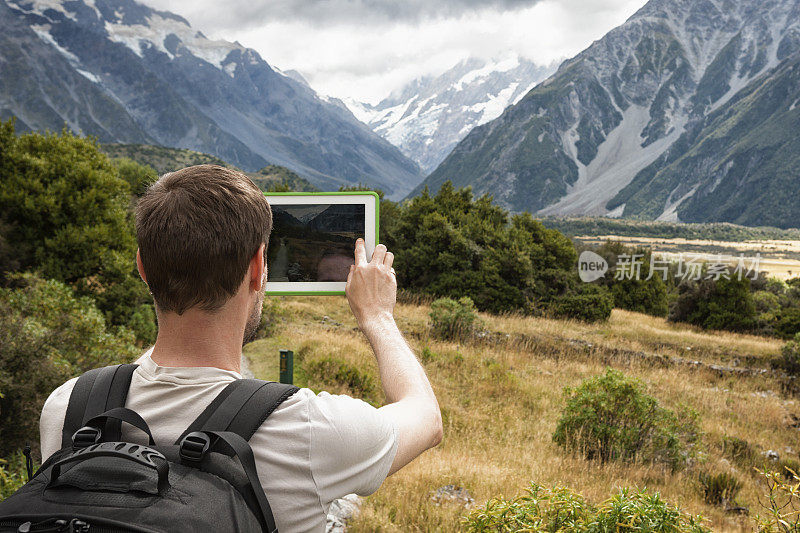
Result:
778,258
501,397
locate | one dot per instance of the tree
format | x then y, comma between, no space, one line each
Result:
453,245
47,335
716,304
65,213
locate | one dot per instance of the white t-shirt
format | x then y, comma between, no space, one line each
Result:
313,449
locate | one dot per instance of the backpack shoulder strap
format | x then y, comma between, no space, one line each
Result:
241,407
96,392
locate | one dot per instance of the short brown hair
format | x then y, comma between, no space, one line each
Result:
197,229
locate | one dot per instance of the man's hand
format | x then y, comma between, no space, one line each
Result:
371,286
372,291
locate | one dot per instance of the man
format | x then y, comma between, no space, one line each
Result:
202,233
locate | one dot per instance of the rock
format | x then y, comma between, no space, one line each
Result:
328,320
342,511
453,494
772,455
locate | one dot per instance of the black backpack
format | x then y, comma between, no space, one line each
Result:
206,481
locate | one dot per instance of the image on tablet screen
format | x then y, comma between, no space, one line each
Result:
313,242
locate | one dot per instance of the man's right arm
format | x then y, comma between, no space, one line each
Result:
371,291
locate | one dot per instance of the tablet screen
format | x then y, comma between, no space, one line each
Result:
313,242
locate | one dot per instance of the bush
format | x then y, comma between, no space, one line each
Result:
47,335
610,417
787,322
13,474
632,292
66,214
716,304
739,451
790,356
453,320
719,489
452,245
591,304
332,371
560,509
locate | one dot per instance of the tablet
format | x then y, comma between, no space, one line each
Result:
313,237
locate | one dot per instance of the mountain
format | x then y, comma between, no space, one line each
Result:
428,117
127,73
684,112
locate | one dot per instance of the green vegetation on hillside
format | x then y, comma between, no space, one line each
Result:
716,231
163,160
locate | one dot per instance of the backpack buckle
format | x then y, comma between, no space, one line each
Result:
85,437
194,446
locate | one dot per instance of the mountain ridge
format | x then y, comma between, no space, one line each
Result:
128,73
429,115
579,138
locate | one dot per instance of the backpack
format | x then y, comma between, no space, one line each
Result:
96,483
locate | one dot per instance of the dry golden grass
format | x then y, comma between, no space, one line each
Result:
501,401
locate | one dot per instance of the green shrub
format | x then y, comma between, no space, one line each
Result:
541,509
634,292
591,304
739,451
453,245
47,335
611,417
716,304
560,510
427,355
331,370
790,356
65,213
787,322
13,474
453,320
719,489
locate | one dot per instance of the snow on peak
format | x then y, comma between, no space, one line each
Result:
159,28
487,70
428,116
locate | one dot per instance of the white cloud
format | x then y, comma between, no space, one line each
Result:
367,57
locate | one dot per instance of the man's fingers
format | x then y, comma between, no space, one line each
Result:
388,259
379,254
360,253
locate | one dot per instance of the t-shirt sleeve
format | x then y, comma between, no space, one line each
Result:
51,423
352,446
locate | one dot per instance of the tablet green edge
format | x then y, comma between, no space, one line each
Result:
337,193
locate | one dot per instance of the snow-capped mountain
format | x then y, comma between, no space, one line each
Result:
127,73
428,117
610,132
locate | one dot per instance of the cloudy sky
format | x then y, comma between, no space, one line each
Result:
364,49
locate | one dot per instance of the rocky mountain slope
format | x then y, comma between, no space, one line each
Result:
428,117
657,120
127,73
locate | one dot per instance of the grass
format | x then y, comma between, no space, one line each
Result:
501,398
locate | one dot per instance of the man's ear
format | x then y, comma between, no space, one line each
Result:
140,266
257,269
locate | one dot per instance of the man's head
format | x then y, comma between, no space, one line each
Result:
200,232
